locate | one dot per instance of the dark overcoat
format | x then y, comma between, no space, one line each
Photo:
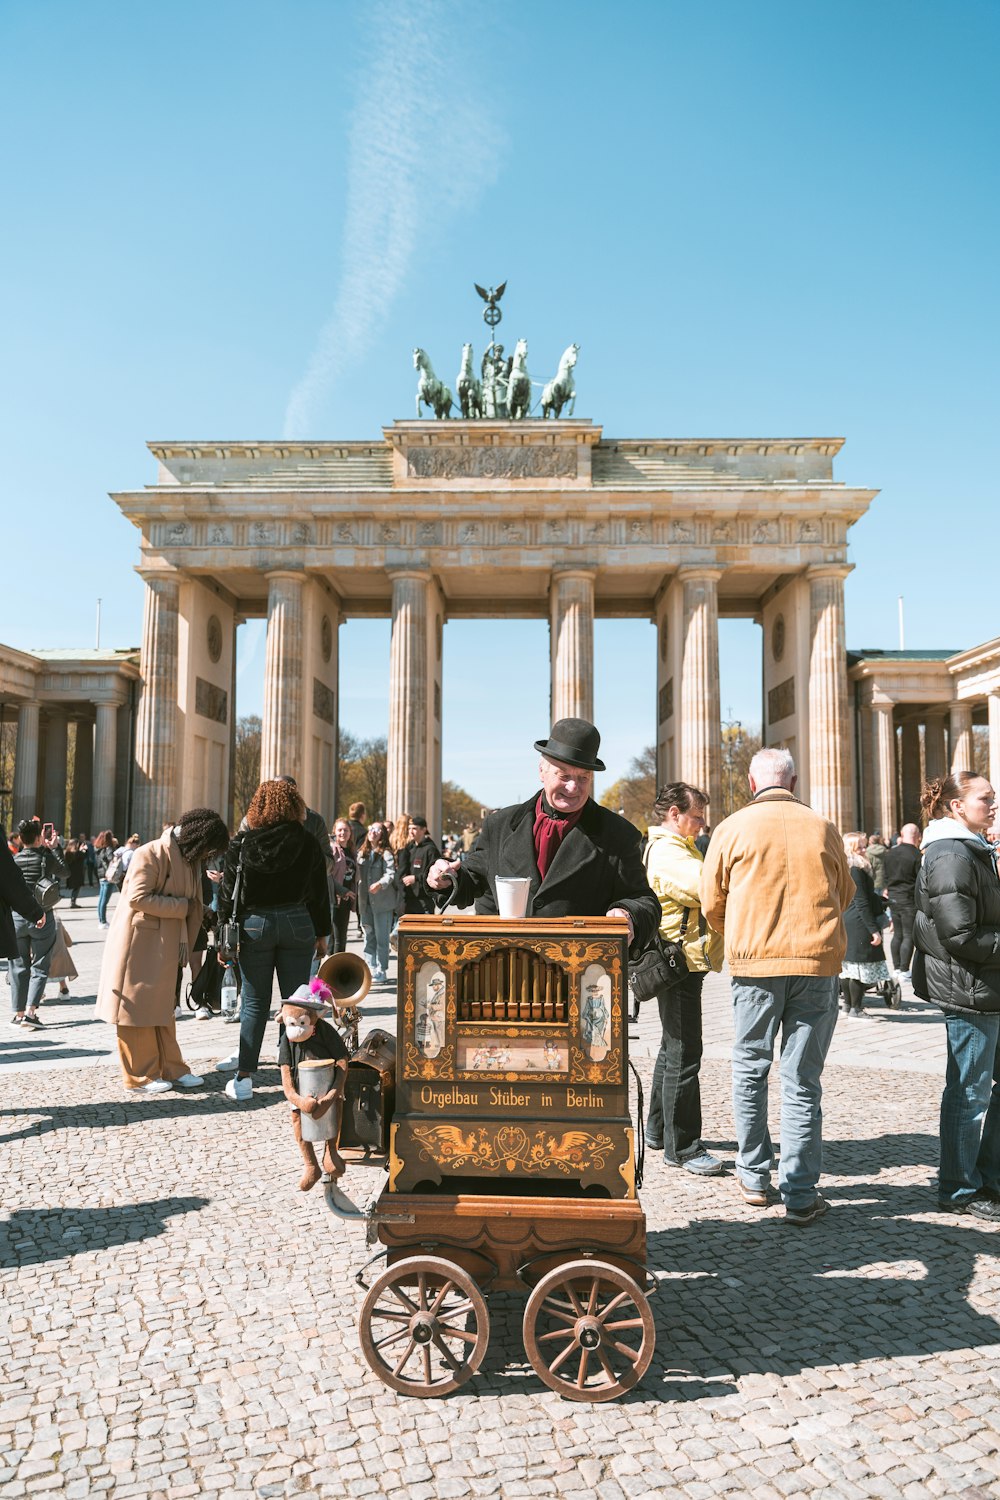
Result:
14,896
598,865
862,920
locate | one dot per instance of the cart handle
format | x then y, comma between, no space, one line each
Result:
603,1252
640,1155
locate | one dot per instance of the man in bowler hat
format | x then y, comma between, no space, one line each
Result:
582,859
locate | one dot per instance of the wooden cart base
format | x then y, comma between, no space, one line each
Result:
588,1328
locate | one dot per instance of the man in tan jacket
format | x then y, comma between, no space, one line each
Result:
776,883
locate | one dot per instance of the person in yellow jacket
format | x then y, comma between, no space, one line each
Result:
674,865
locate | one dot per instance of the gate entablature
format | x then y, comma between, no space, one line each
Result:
488,517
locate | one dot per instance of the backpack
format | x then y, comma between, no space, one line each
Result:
116,869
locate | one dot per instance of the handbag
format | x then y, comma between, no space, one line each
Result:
659,968
228,939
48,892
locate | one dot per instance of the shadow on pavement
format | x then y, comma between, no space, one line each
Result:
35,1235
763,1297
112,1114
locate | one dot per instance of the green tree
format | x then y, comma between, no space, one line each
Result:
362,774
633,794
458,808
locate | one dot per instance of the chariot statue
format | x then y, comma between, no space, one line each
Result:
504,387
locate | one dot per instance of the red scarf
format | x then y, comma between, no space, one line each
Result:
549,833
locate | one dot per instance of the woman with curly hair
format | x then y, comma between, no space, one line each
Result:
153,932
283,914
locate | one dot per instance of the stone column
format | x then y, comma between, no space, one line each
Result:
105,760
83,777
830,790
281,732
700,713
54,793
571,645
910,771
960,716
935,757
409,685
156,721
993,709
884,747
26,762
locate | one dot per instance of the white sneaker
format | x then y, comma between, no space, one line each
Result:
228,1064
188,1081
178,1011
154,1086
203,1013
240,1089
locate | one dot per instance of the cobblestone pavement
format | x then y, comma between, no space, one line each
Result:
179,1320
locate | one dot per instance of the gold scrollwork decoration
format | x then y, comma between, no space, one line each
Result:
511,1148
582,1070
416,1065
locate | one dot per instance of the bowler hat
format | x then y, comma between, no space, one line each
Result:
575,743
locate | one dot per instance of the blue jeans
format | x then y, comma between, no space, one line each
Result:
805,1007
279,941
970,1107
103,897
29,971
675,1096
377,925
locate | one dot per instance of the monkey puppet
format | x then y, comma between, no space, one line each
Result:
304,1035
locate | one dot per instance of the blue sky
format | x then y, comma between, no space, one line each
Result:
235,220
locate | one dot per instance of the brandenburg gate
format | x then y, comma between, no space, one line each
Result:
452,519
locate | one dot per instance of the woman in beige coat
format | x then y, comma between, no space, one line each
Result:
153,931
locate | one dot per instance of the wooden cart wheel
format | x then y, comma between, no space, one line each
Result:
424,1326
589,1331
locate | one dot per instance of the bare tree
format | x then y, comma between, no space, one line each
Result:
634,793
246,764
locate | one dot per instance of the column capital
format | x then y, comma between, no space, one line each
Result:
883,705
296,574
695,572
816,571
559,572
423,575
164,574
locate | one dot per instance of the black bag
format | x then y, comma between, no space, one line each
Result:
48,892
206,989
228,938
659,968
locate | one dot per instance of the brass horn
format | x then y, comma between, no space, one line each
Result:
349,978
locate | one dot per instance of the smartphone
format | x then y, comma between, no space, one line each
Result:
48,829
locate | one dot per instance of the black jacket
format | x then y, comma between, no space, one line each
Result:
956,929
901,865
861,920
596,866
283,865
14,896
416,860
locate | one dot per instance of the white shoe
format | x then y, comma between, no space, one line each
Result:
240,1089
154,1086
188,1081
203,1013
228,1064
178,1011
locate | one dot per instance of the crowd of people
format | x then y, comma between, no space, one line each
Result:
798,911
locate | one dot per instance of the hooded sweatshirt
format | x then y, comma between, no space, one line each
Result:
283,865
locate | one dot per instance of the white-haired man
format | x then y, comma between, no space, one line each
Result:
776,883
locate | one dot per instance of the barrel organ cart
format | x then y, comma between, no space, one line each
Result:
511,1158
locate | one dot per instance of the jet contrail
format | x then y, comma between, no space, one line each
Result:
421,147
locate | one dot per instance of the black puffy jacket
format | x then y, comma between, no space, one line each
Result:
956,930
